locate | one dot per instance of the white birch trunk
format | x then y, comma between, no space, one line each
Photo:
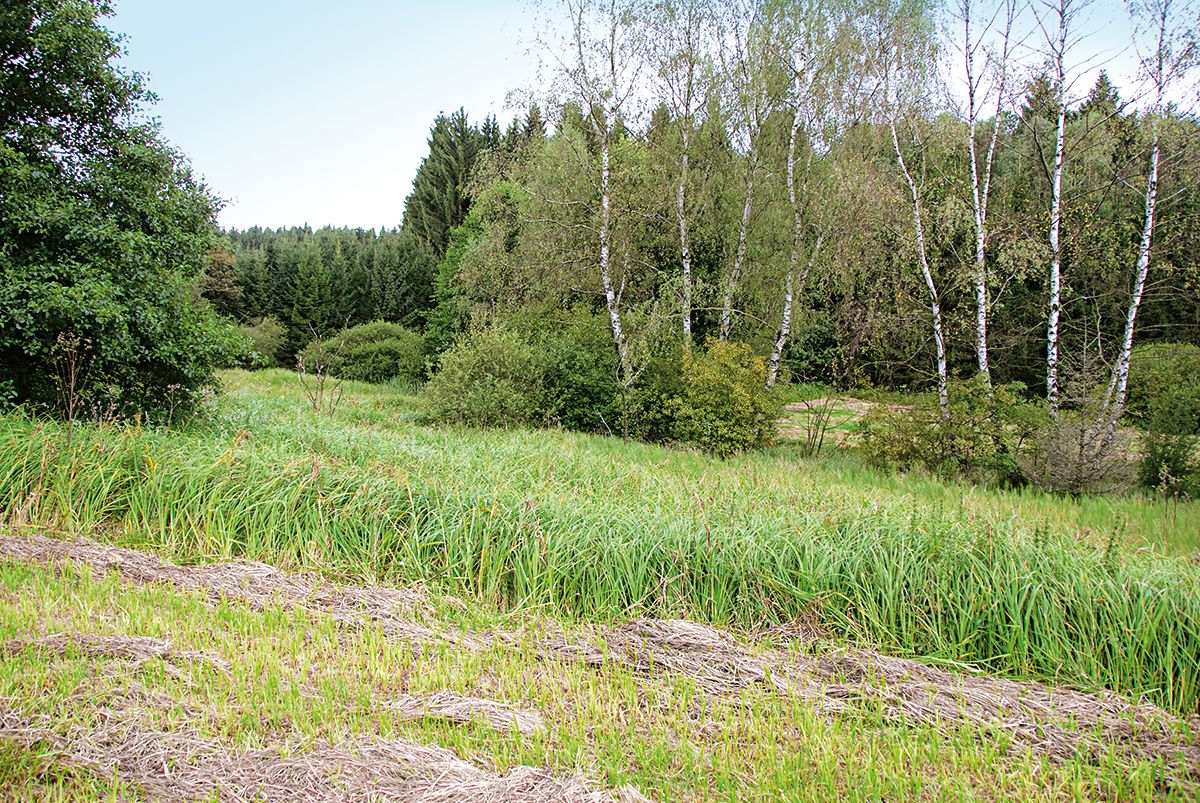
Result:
685,252
977,196
1114,399
785,323
934,304
610,294
981,185
1052,394
1114,402
739,259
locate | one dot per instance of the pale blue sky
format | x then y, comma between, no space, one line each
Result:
317,112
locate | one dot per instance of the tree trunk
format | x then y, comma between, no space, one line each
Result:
785,323
979,192
740,257
934,304
610,295
1052,393
1114,401
685,252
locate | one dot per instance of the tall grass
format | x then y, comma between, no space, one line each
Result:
592,527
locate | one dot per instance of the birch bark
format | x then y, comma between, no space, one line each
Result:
1160,72
923,257
1055,281
739,259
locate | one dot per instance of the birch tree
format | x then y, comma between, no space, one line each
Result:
751,99
681,54
1170,57
901,51
814,63
1056,20
600,67
985,80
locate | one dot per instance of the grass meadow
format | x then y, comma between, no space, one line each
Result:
557,530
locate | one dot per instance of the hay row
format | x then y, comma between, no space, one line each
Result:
182,765
1055,721
445,705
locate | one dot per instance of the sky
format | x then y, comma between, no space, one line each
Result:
318,111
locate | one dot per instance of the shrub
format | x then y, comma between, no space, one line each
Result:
1156,369
267,337
725,407
982,438
371,352
650,406
490,378
1076,455
1169,464
581,390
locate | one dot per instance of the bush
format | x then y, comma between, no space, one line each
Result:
725,407
490,378
370,352
1076,455
267,337
982,438
650,406
1156,369
1169,464
580,390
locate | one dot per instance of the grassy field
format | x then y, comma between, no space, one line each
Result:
556,539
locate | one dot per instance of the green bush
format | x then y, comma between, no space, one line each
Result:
267,337
725,406
581,388
1169,463
369,352
490,378
649,407
1156,369
982,438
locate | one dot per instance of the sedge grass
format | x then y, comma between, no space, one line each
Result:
592,527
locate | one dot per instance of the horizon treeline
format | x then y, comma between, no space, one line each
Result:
779,173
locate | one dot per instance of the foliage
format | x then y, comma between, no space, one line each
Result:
983,437
649,407
1156,370
371,352
267,337
328,279
440,198
490,378
104,229
1170,464
725,407
581,389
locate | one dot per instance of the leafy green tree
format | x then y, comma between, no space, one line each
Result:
104,231
219,285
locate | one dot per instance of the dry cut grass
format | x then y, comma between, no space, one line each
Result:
120,733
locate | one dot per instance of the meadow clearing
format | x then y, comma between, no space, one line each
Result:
462,613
